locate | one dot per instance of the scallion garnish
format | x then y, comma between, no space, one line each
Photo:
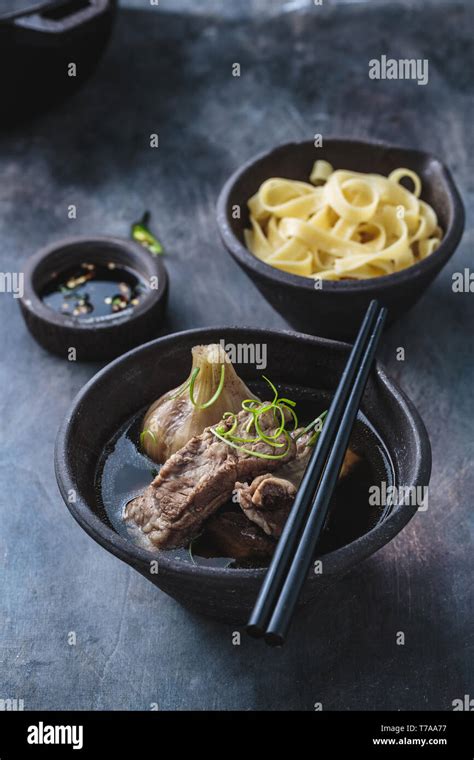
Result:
213,398
256,409
258,454
190,550
180,390
316,425
146,432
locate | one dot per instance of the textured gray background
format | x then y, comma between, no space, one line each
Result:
170,72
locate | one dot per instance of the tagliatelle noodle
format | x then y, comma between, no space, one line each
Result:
347,225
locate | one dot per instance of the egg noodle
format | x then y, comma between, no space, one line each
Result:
344,225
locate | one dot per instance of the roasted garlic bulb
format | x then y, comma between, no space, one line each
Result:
212,388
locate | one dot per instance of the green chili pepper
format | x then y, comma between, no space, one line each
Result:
139,231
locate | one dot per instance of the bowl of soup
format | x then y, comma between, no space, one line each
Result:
187,516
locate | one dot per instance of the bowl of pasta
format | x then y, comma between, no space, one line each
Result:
322,231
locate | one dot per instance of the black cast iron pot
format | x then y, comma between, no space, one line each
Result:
47,49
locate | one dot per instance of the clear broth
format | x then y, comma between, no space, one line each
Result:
124,472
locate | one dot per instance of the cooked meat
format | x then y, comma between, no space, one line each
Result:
267,502
268,499
230,534
198,479
350,461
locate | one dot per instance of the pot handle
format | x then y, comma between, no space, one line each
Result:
63,18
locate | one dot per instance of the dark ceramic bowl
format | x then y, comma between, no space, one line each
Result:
39,39
94,339
134,381
334,309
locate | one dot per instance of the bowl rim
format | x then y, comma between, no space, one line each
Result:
140,558
447,247
39,6
32,302
34,6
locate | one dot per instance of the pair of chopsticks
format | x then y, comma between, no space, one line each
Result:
294,553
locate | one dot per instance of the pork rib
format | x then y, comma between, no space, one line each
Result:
200,477
268,499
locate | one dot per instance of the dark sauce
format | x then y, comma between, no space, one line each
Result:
93,291
124,472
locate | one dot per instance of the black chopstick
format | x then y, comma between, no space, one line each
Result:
278,626
287,543
286,546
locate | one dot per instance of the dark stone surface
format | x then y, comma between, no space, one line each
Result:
168,73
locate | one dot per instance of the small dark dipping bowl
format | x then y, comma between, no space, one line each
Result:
130,384
333,310
93,338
